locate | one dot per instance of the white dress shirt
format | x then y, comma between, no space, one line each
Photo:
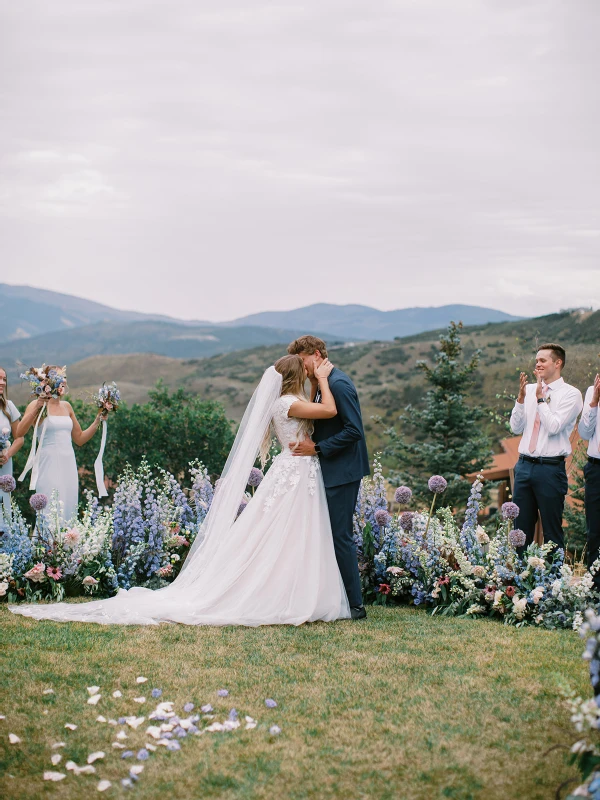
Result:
589,425
558,415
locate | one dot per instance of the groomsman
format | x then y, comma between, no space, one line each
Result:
589,428
545,413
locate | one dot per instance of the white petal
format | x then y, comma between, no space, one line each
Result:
118,746
165,742
57,745
104,785
141,679
48,691
87,769
95,756
100,718
2,717
112,722
93,701
137,769
249,719
250,725
121,735
166,726
134,722
151,747
71,765
56,759
117,694
45,711
93,690
139,699
185,724
54,776
13,738
153,731
70,726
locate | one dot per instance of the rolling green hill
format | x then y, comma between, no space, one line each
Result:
385,372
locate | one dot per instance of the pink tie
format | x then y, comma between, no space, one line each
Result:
536,425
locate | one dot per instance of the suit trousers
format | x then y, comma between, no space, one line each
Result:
342,502
541,487
592,511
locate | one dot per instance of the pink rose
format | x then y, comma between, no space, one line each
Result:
36,573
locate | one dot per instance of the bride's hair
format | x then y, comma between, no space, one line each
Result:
293,378
4,396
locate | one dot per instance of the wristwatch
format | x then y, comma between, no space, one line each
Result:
540,400
317,450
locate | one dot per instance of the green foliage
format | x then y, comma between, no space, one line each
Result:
574,514
446,435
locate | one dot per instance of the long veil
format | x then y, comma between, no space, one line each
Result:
234,478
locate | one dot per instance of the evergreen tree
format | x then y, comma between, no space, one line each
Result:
445,437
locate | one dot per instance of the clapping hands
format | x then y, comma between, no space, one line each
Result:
523,380
596,393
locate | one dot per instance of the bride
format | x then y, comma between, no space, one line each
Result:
275,563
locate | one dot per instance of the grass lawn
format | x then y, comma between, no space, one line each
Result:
403,706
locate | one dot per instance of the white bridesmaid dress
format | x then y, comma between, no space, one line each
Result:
57,470
6,421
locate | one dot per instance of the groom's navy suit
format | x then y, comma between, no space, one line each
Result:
344,462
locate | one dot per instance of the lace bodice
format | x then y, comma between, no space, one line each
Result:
286,428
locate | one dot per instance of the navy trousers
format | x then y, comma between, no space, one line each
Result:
342,502
541,487
592,511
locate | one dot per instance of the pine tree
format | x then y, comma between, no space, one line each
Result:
445,437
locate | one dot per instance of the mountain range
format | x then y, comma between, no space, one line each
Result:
27,313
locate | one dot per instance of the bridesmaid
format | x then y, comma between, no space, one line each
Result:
9,416
56,465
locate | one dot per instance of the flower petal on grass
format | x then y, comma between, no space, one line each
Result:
137,769
139,699
274,730
270,703
13,738
104,785
173,745
2,717
117,693
141,679
206,709
95,756
54,776
154,731
188,708
126,783
121,735
93,701
70,726
118,746
127,754
56,759
156,693
48,691
134,722
92,690
151,747
222,693
56,745
100,718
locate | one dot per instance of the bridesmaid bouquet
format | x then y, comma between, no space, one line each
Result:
4,439
46,382
107,399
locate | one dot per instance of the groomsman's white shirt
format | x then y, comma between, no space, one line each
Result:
557,419
589,425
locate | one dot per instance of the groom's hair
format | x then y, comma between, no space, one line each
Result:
308,345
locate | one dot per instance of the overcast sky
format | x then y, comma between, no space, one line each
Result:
212,159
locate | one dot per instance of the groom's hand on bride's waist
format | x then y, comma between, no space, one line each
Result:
304,448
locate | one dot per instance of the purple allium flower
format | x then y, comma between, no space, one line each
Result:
517,537
256,477
382,518
188,707
437,484
38,501
173,745
233,715
156,692
7,483
143,754
127,754
403,495
510,510
206,709
274,730
243,505
406,521
270,703
222,693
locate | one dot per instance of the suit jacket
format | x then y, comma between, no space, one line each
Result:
344,457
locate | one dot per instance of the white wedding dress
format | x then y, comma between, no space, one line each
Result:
57,469
273,565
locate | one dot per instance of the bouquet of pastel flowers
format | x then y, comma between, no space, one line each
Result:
4,439
107,399
46,382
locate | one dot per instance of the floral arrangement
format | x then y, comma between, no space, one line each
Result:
457,568
4,439
46,382
108,397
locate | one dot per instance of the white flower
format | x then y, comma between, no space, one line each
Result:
519,607
482,536
536,563
3,588
54,776
537,594
556,587
498,597
577,620
89,580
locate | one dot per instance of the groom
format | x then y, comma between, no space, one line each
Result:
342,450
